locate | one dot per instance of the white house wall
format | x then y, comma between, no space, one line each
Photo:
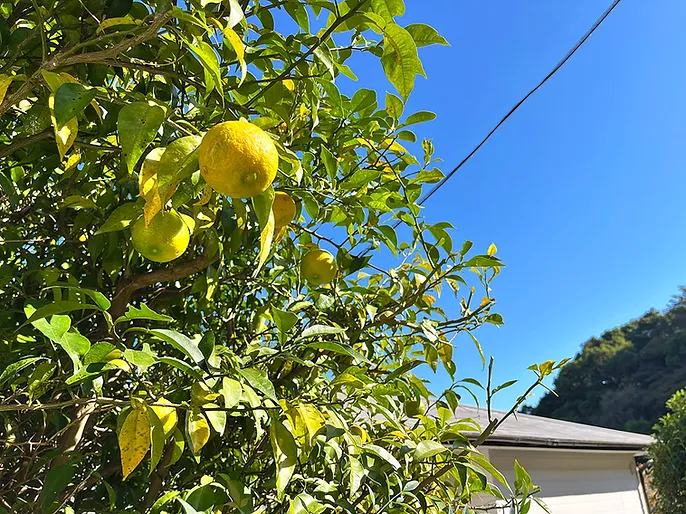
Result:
575,482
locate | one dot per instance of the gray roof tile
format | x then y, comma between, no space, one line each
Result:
537,431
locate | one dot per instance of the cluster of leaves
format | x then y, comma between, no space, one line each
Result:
244,389
623,378
668,457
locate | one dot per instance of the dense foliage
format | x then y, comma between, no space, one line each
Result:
222,381
623,378
668,457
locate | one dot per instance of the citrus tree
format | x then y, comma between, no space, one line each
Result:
193,314
668,457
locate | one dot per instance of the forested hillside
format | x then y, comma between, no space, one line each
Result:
623,378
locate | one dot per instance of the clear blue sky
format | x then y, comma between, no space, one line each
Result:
583,188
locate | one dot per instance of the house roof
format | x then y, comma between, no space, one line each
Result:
537,431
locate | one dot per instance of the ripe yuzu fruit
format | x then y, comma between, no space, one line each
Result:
284,209
318,267
164,239
238,159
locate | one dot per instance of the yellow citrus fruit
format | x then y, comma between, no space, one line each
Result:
284,209
318,267
238,159
165,239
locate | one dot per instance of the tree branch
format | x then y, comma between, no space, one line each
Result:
24,142
128,286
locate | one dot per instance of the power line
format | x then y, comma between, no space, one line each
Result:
559,65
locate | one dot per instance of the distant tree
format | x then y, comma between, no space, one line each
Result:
668,453
623,378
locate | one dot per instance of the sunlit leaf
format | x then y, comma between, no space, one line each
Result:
285,455
137,126
134,439
198,430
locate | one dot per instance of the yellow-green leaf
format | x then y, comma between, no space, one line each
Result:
134,440
148,185
492,250
265,216
120,218
65,135
313,419
113,22
400,60
179,445
239,48
387,9
5,81
285,455
157,439
166,415
198,430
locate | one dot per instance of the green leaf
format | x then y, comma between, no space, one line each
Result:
363,99
262,204
13,369
258,379
89,372
39,380
394,106
121,218
320,330
181,365
419,117
217,418
187,508
265,215
210,62
144,312
298,12
305,504
503,386
324,55
383,454
285,455
99,298
238,47
387,9
232,391
424,35
74,343
179,160
339,349
58,308
399,59
98,352
157,439
356,475
482,462
54,329
179,445
137,125
163,501
181,342
284,321
330,162
141,359
482,261
56,480
70,100
116,22
427,449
